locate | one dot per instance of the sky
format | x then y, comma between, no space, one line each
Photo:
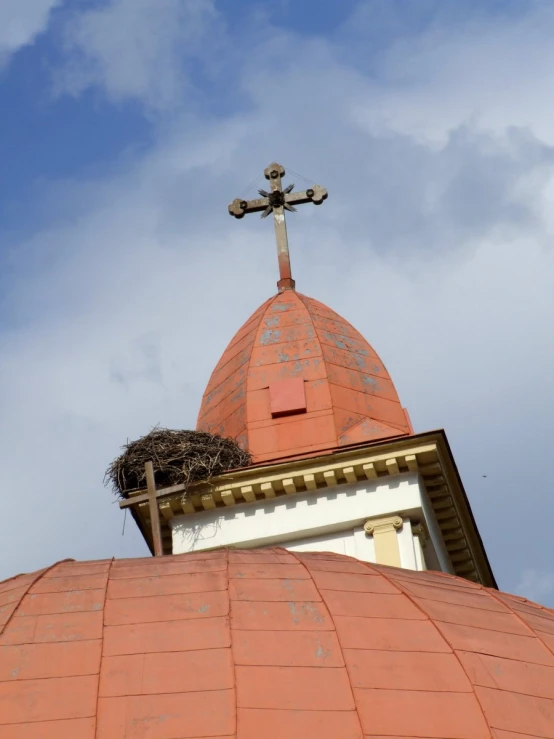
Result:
127,126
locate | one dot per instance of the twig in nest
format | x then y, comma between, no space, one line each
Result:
178,456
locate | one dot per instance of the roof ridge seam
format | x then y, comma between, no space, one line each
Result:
304,300
289,341
108,572
262,315
234,344
227,551
358,420
454,651
377,357
223,397
370,395
229,345
254,330
222,421
355,369
39,576
350,677
220,367
341,318
368,418
534,633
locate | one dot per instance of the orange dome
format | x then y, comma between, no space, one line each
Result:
297,378
268,643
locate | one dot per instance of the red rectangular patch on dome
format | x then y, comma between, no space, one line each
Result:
287,397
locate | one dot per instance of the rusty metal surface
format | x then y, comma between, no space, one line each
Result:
350,397
146,648
277,201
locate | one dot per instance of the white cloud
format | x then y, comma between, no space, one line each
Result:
21,21
439,251
494,71
136,48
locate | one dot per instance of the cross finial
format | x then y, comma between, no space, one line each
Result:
277,201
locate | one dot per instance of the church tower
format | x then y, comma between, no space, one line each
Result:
337,465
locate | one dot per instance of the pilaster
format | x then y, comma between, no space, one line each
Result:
385,538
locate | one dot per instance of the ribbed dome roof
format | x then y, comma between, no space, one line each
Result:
297,378
267,643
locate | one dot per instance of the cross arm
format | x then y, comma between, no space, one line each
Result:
239,208
315,195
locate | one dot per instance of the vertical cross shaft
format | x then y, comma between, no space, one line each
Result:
154,511
273,174
277,201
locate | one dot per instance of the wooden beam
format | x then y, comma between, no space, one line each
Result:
465,568
411,461
452,535
143,497
186,504
154,511
430,469
208,502
442,506
247,492
289,485
445,513
440,492
464,555
369,471
449,524
349,474
227,497
309,482
166,509
454,546
267,489
435,481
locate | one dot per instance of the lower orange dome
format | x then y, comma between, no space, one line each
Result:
268,643
297,379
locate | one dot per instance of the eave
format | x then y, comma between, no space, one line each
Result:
428,454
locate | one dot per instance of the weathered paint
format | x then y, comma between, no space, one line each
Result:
344,342
280,307
362,649
270,337
349,394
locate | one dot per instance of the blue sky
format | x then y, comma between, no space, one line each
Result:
128,125
48,135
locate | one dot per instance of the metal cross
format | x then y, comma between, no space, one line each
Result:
277,201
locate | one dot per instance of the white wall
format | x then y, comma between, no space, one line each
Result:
353,543
329,519
437,556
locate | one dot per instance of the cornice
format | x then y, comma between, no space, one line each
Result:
428,455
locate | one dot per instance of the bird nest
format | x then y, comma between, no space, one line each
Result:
178,457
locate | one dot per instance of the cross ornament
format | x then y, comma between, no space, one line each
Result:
277,201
